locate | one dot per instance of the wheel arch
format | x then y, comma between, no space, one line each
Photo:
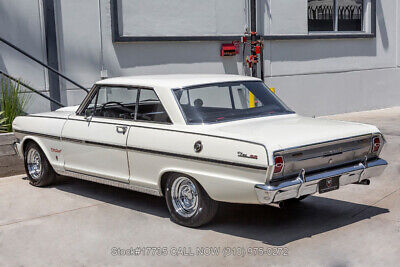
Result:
164,178
167,173
28,139
163,181
219,186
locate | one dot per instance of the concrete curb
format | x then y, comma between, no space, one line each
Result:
10,163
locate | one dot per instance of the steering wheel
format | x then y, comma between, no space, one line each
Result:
111,102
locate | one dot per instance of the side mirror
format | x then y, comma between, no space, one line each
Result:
88,115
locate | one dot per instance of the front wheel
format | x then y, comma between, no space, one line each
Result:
37,167
188,203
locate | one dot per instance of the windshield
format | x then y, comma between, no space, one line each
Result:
220,102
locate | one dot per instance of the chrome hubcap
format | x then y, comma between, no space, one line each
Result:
184,197
34,164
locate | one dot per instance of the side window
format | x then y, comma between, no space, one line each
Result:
150,107
113,102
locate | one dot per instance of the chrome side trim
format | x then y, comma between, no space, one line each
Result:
38,134
106,181
307,185
222,162
46,117
183,156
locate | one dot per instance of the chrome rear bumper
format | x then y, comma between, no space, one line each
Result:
308,184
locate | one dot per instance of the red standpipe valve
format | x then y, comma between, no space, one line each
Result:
252,59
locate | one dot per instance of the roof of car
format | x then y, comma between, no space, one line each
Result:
175,81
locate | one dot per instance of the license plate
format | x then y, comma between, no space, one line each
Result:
328,184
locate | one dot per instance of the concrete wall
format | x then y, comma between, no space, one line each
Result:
314,77
10,163
21,24
333,76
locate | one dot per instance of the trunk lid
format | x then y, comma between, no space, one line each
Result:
305,143
289,131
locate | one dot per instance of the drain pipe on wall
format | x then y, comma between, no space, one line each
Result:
253,33
103,72
256,44
51,50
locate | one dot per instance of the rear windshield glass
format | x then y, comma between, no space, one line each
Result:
221,102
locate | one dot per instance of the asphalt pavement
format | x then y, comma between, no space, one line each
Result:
79,223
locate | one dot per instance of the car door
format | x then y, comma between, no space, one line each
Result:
94,140
142,138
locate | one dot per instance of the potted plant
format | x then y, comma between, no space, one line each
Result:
13,102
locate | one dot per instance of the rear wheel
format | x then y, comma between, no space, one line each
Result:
37,167
187,201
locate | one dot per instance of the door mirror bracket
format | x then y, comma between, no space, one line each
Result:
88,118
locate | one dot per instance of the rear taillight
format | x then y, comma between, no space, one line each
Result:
278,167
376,144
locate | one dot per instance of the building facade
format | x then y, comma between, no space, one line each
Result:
322,56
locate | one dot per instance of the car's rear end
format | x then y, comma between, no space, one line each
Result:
323,167
303,155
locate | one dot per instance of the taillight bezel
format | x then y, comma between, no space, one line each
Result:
376,146
281,163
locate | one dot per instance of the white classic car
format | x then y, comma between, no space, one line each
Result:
197,140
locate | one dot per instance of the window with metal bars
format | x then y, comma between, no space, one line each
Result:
335,15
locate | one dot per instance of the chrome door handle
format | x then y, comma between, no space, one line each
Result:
122,129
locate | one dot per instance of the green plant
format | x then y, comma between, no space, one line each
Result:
13,103
3,121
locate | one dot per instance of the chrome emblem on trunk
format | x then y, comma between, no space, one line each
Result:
244,155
